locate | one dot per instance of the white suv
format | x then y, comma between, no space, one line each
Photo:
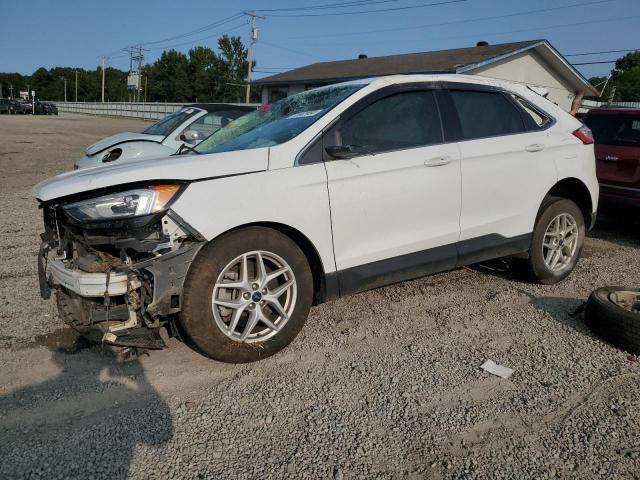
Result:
325,193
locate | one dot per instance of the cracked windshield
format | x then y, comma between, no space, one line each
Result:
277,122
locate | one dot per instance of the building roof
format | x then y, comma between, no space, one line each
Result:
457,60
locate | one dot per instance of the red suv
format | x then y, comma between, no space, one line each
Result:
617,135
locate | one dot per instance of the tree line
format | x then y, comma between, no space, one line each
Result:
624,82
204,75
201,75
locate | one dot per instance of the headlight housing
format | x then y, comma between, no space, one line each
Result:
121,205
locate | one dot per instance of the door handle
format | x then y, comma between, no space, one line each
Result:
437,161
534,147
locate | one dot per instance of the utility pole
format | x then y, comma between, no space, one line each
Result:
134,81
253,37
76,85
103,59
11,90
65,88
139,72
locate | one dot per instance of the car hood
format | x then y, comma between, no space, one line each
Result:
119,138
176,167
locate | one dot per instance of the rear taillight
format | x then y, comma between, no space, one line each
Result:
584,134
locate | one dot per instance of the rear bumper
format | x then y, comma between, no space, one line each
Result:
622,196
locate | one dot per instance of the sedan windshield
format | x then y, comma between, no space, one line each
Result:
278,122
172,121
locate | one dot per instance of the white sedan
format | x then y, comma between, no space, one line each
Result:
189,125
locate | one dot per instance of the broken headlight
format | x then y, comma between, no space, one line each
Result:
131,203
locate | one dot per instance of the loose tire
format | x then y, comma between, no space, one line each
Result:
605,317
246,295
558,237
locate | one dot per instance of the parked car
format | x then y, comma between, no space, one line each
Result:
15,106
617,135
53,109
38,108
322,194
5,106
189,125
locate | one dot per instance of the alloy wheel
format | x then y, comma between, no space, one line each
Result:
254,296
560,242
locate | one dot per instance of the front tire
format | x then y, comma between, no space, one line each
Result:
246,296
558,237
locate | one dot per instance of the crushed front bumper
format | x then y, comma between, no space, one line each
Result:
87,284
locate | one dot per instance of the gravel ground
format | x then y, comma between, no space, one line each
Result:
384,384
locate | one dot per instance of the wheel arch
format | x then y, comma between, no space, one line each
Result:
575,190
320,289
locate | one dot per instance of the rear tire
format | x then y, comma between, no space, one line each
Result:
557,242
235,324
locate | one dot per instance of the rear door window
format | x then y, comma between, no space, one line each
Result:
612,129
486,114
403,120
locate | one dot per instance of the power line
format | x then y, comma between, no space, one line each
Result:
394,9
532,29
182,35
598,53
452,22
306,54
199,30
594,63
191,42
356,3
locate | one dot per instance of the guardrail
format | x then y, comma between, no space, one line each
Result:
587,104
148,111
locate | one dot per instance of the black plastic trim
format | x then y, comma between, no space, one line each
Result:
425,262
491,246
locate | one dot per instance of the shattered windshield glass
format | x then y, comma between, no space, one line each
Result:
172,121
278,122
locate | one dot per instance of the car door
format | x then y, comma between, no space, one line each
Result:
395,204
507,168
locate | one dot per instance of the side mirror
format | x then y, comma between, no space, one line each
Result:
342,151
190,136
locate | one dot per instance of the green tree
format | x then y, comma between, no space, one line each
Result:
626,78
202,71
169,76
231,70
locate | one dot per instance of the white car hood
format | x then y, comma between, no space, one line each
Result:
119,138
177,167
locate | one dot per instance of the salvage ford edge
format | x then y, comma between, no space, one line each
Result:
322,194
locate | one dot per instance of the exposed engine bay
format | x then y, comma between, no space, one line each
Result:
120,280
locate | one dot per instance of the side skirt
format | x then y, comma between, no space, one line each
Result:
426,262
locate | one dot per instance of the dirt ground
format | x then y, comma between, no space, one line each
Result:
384,384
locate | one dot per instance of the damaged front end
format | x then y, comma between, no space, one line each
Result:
118,262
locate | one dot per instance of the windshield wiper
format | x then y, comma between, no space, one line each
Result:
186,147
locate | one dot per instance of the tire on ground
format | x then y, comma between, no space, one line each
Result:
196,317
534,267
611,322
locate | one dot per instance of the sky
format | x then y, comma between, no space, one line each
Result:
76,33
